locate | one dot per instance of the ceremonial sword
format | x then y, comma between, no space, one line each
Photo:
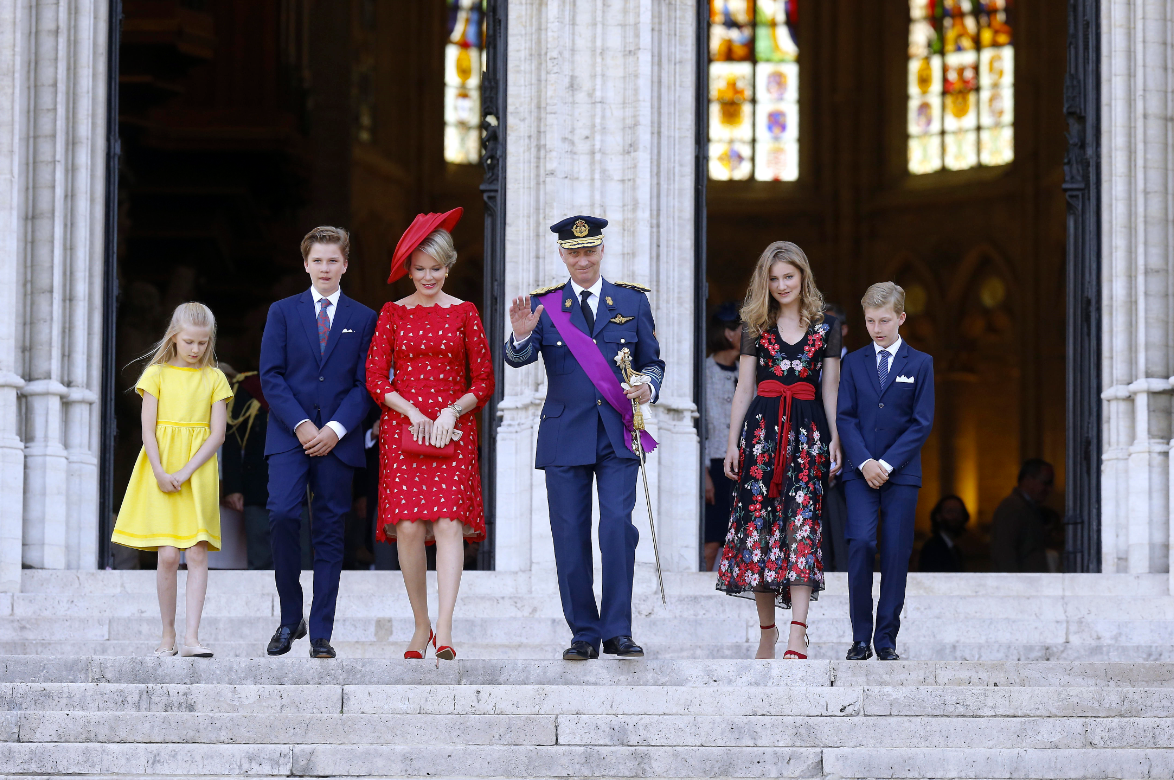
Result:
624,361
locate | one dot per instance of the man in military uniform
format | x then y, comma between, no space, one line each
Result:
579,328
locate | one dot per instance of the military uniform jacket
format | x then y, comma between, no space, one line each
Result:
569,426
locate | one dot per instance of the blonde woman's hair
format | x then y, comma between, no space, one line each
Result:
760,310
883,294
190,314
439,246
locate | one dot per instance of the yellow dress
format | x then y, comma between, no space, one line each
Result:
150,518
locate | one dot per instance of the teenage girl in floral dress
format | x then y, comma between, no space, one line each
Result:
789,347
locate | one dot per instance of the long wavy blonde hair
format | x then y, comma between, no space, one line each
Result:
190,314
760,310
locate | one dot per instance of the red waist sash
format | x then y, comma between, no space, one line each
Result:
802,391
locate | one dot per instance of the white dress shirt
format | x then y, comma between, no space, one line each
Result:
334,425
892,350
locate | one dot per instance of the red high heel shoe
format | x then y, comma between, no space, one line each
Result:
419,654
806,643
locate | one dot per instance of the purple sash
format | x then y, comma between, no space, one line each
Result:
584,350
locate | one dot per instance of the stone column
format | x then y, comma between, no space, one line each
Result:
600,121
60,249
13,81
1137,209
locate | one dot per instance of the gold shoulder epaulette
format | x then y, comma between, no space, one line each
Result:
634,286
550,289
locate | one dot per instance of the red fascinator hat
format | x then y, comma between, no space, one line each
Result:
419,230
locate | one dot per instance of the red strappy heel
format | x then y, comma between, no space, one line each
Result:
806,643
768,628
419,654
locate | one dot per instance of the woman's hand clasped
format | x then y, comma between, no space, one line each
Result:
421,428
731,464
442,428
837,456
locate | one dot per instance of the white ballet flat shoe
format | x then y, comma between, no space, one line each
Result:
195,651
165,652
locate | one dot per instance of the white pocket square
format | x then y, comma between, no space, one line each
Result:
348,330
908,379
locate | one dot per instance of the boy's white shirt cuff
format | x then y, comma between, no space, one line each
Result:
338,428
888,469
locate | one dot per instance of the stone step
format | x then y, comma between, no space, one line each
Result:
577,761
646,630
840,701
825,651
542,582
604,672
577,729
712,605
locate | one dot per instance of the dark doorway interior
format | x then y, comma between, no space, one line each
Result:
980,251
243,125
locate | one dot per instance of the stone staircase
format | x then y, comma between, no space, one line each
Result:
1050,676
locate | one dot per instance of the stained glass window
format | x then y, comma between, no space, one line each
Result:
463,63
961,84
753,90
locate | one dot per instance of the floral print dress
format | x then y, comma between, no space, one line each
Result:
774,543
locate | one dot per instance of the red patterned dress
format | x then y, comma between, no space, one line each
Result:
774,543
431,356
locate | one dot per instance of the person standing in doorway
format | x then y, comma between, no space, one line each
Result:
783,447
246,475
721,377
579,328
886,409
1019,530
313,360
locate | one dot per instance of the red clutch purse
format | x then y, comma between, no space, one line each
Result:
411,447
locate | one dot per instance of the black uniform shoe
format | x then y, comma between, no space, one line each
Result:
580,651
624,647
320,648
284,636
859,651
887,654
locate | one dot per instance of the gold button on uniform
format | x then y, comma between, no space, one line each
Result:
622,341
599,403
559,343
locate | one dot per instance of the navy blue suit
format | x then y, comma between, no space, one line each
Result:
580,438
301,382
889,423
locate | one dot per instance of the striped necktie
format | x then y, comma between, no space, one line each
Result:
323,325
882,369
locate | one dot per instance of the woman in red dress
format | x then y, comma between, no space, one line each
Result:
429,368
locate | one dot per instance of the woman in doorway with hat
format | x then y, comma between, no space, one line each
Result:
429,368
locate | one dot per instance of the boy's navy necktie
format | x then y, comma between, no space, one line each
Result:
882,370
323,325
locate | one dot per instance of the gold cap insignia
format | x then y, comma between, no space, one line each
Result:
580,228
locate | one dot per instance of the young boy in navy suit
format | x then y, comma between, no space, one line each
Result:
884,416
313,374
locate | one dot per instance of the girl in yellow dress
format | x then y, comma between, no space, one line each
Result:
173,500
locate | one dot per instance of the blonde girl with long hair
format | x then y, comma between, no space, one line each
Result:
783,445
172,502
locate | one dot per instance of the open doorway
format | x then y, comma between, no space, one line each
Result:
242,126
923,143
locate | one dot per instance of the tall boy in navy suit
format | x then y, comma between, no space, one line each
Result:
313,374
884,417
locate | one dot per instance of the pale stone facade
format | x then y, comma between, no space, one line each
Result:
52,212
600,120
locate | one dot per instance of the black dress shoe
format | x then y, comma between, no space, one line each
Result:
580,651
887,654
284,636
859,651
320,648
624,647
